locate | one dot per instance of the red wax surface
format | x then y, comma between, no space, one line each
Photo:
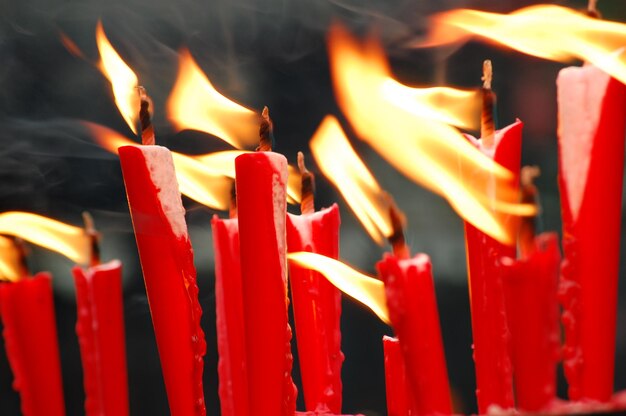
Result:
170,278
414,316
261,180
530,286
30,336
494,376
100,330
231,367
317,309
591,231
400,400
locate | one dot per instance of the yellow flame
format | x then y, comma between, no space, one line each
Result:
195,104
422,147
122,79
546,31
365,289
9,260
342,166
72,242
195,179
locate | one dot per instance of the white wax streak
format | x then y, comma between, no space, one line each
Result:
161,167
279,195
580,91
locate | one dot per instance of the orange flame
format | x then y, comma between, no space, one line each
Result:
421,146
195,104
195,180
122,79
342,166
365,289
9,260
546,31
72,242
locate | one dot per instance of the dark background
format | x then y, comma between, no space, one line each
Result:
266,52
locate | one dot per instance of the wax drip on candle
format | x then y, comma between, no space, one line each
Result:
307,203
266,132
398,222
487,122
145,117
94,237
530,195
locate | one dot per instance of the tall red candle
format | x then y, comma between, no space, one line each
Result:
167,261
317,309
30,335
533,315
400,400
494,378
100,330
413,312
591,160
261,180
231,367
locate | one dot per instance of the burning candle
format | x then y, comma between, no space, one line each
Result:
100,330
261,180
316,302
591,160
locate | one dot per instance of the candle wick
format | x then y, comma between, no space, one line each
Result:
145,117
592,9
232,210
398,221
307,203
529,195
22,257
487,123
266,132
94,239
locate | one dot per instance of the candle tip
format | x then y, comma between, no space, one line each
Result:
307,204
487,122
398,223
266,132
487,74
592,9
145,117
94,238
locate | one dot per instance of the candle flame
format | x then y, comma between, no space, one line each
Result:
195,104
545,31
365,289
342,166
123,80
68,240
418,142
9,261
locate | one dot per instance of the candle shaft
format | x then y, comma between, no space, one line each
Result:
400,401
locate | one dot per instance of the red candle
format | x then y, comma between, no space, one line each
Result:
167,261
532,308
261,180
413,312
494,379
591,159
400,401
317,309
231,367
100,330
30,335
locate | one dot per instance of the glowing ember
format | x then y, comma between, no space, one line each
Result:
70,241
365,289
195,104
343,167
546,31
421,146
122,79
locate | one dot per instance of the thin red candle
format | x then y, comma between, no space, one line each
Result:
413,312
30,335
261,180
317,309
533,315
591,161
231,367
100,330
494,376
169,274
400,400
